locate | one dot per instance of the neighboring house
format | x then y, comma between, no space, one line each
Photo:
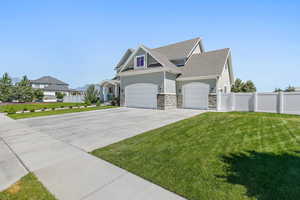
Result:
297,89
181,75
51,86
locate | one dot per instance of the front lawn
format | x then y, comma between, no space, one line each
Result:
56,112
35,106
218,156
28,188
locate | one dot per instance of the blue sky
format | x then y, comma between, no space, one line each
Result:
80,42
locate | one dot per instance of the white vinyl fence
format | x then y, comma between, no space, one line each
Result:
74,99
282,102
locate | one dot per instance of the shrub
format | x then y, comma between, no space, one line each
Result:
98,103
70,107
88,103
115,101
25,109
53,108
62,106
32,110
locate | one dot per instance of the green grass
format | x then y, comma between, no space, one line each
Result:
55,112
218,156
28,188
36,106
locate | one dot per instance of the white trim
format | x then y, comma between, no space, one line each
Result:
197,78
145,71
193,49
164,82
167,93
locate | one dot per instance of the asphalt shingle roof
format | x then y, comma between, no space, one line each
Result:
205,64
177,50
49,80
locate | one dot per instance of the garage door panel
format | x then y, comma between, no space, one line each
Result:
141,95
195,95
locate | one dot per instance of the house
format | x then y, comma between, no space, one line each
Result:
179,75
51,86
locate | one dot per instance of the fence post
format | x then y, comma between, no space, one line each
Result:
255,102
219,94
281,102
232,98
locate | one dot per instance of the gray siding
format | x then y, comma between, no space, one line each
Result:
170,83
210,82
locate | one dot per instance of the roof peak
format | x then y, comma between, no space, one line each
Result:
176,43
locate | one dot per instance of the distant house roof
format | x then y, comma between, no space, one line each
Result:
178,50
57,88
209,63
49,80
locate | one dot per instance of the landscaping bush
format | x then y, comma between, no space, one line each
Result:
53,108
98,103
32,110
70,107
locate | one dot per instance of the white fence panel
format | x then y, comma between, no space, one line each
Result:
74,99
226,102
291,103
267,102
243,101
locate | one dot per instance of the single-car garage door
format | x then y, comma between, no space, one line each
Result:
195,95
141,95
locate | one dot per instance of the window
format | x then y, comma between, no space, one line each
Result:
140,61
110,90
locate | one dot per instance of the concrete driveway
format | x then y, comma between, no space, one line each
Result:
54,148
91,130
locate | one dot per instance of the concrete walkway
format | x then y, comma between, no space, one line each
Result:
69,172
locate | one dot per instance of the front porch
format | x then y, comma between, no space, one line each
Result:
110,89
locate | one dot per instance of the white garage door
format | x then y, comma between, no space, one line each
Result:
141,95
195,95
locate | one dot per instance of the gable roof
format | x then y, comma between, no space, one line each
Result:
160,58
209,63
125,57
178,50
49,80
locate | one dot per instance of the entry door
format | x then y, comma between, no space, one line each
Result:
141,95
195,95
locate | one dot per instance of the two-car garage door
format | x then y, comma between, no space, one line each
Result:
141,95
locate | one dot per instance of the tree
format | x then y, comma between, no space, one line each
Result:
59,95
290,89
237,86
6,88
249,87
91,94
23,91
240,86
278,90
38,94
24,82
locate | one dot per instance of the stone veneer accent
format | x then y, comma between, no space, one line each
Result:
179,101
166,101
212,101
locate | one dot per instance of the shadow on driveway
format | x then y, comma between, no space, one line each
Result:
267,176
